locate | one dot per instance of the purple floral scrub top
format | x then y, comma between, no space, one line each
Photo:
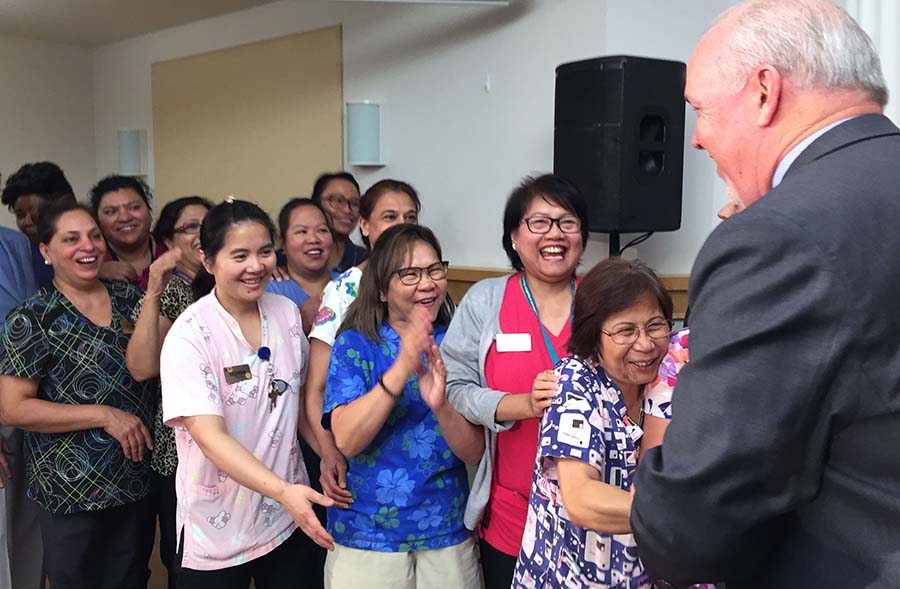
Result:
587,421
658,397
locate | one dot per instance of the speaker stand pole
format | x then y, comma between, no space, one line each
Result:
614,245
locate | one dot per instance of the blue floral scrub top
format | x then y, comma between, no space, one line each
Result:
409,489
587,421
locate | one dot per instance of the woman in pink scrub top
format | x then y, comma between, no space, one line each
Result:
232,368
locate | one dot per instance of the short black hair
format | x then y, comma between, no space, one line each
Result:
115,182
550,187
284,217
323,180
44,179
49,214
168,216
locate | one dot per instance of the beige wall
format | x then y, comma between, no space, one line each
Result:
259,121
46,110
467,94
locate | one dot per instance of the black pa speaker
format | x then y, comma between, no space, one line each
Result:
619,137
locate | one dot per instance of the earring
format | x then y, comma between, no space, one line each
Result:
514,246
46,262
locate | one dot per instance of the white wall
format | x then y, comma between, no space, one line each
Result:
462,147
46,110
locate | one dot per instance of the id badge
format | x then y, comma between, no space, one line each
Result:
513,342
238,373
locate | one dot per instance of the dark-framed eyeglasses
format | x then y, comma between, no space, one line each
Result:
337,201
191,228
412,276
541,225
628,334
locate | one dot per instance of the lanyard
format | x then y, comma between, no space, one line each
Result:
186,278
530,298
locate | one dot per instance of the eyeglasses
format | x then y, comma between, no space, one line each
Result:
192,228
337,201
412,276
541,225
628,334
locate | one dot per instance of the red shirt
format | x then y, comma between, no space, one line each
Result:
156,250
514,372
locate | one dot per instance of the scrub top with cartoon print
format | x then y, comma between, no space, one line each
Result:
587,421
209,368
336,299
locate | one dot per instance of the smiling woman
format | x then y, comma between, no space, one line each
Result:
232,367
385,402
168,295
504,340
122,206
62,356
578,530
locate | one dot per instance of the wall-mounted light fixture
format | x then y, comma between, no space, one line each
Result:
132,147
363,125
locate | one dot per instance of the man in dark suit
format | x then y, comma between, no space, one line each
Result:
781,466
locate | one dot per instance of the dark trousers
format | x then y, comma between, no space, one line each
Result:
166,504
317,554
280,569
105,549
497,567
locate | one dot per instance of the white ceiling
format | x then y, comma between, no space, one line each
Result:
97,22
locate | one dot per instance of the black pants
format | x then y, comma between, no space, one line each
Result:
316,564
497,567
166,504
105,549
280,569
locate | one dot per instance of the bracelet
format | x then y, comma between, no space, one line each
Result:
387,390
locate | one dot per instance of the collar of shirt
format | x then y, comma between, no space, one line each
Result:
235,327
785,164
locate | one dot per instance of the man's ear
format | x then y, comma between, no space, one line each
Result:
767,83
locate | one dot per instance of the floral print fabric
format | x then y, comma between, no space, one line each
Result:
409,489
658,397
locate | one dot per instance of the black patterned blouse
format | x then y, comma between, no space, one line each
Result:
78,363
175,298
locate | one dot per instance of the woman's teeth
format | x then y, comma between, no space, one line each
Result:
553,251
87,260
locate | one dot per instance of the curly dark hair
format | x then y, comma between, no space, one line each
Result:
45,179
116,182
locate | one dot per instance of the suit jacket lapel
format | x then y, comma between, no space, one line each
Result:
853,131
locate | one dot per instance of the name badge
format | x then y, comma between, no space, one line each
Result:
513,342
238,373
